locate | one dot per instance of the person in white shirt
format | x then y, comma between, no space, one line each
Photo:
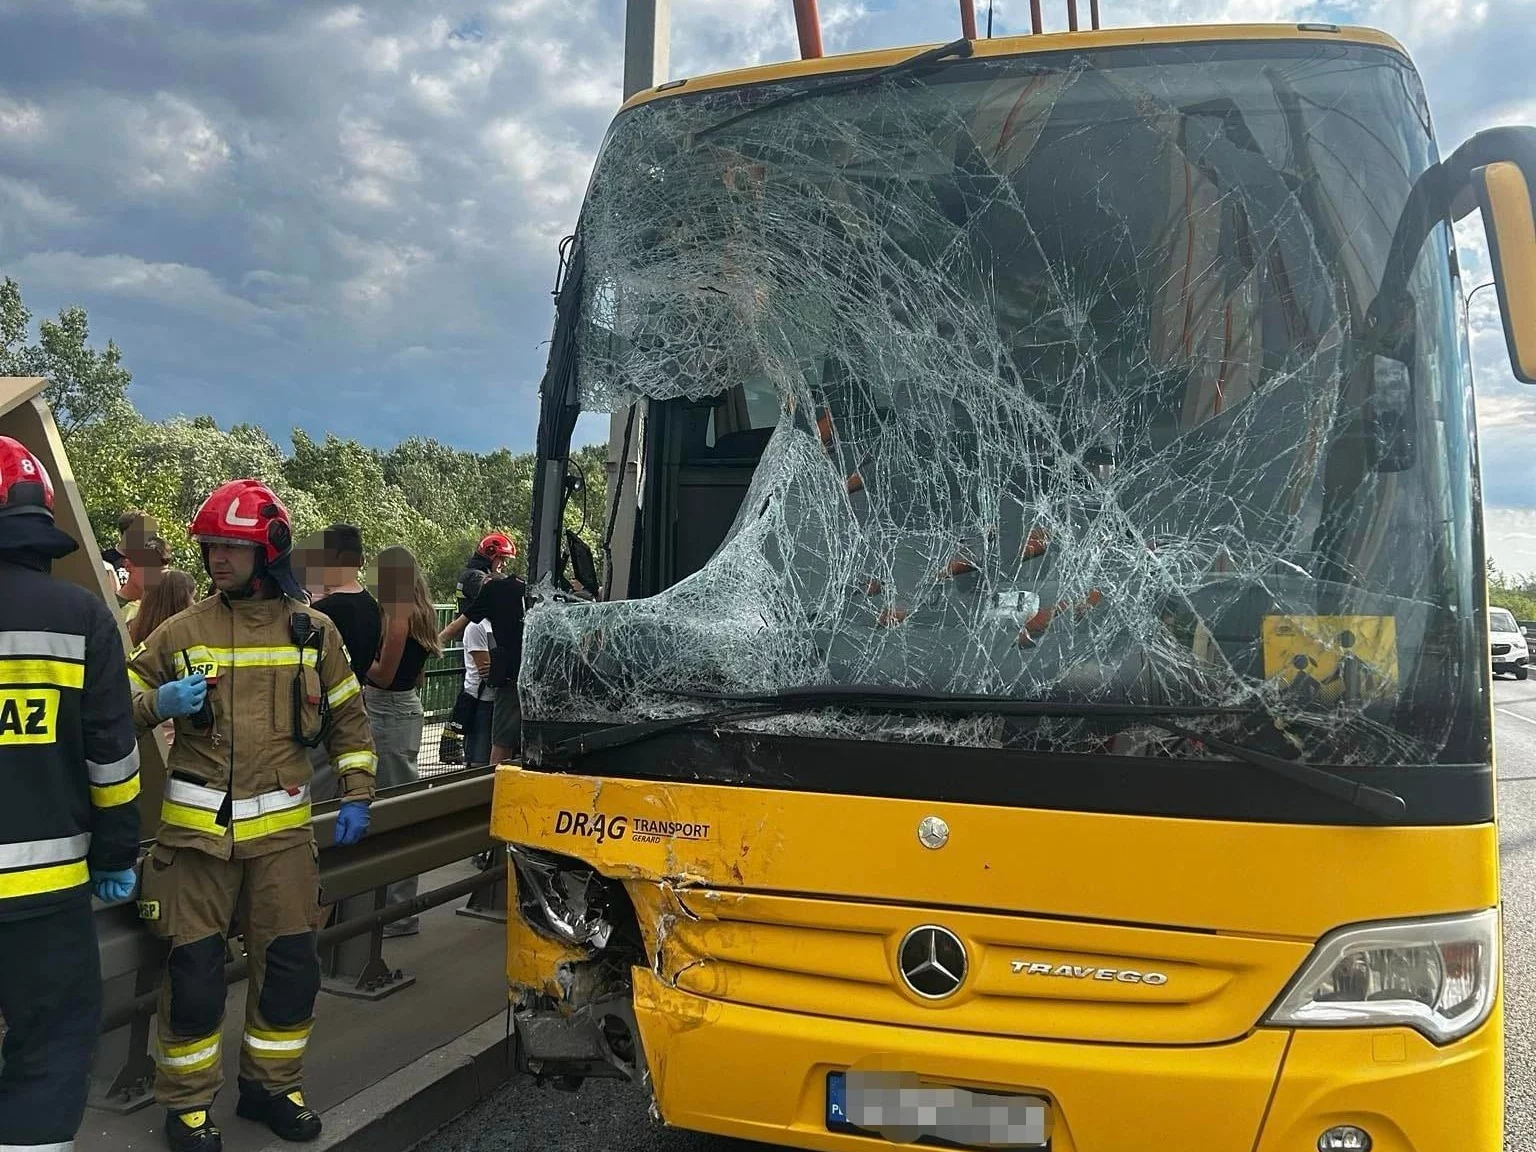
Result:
478,642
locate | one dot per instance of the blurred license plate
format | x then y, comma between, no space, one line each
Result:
903,1110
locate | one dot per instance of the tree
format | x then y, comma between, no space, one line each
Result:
346,480
437,500
1518,593
15,321
83,384
587,512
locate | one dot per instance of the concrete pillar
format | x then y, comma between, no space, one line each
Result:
647,24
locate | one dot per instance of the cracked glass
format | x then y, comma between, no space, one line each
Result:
1058,383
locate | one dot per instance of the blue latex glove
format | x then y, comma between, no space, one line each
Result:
181,697
114,887
351,822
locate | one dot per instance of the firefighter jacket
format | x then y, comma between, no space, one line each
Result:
69,759
238,776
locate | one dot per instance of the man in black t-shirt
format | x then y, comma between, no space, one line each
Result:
450,747
350,606
502,600
356,615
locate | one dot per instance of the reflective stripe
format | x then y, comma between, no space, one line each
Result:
115,783
181,816
193,806
140,685
67,1146
35,852
259,826
36,881
20,670
344,691
111,795
274,1045
60,645
271,812
264,657
357,762
279,801
194,795
188,805
116,771
193,1056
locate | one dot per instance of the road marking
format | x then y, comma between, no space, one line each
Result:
1516,715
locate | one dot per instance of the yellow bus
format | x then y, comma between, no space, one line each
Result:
1038,691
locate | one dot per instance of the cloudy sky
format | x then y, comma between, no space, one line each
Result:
344,217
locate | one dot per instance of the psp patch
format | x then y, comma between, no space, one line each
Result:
149,909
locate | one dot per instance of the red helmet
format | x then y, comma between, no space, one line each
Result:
497,546
245,512
25,485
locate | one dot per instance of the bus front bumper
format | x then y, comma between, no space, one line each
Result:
761,1074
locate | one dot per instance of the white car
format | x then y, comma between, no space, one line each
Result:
1508,644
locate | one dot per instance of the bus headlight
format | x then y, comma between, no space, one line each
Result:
564,897
1437,976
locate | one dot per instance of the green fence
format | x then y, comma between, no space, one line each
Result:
444,674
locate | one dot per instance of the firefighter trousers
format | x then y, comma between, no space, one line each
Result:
195,901
50,995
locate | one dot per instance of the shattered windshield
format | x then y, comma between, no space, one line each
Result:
1054,381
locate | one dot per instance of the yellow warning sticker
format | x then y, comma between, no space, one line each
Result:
1339,657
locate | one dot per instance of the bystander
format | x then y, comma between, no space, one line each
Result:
479,640
143,555
392,691
336,574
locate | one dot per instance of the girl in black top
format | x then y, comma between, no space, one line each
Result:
409,634
394,679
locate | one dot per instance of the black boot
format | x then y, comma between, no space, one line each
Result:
284,1112
192,1130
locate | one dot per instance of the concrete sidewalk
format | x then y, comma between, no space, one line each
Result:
458,962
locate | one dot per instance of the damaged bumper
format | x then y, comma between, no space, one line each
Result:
572,1005
1270,1090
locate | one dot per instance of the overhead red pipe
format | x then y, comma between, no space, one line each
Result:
808,26
1034,16
1072,15
968,19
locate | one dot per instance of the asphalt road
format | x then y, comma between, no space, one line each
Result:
605,1116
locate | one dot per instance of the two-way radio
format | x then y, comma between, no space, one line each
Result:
204,715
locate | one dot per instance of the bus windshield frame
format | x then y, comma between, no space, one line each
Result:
1063,387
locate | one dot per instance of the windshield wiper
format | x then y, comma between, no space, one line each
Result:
1378,801
959,49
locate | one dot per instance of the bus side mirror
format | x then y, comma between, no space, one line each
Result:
1504,194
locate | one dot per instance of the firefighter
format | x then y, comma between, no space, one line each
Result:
69,775
254,679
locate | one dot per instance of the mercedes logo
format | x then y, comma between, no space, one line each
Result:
932,961
932,832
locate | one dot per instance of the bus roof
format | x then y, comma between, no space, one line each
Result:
1020,45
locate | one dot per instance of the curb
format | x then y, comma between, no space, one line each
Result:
409,1105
